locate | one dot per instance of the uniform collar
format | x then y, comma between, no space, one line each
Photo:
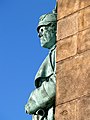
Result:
54,46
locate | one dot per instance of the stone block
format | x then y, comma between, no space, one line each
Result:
67,26
73,77
66,111
84,19
66,7
83,40
84,3
83,109
78,109
66,48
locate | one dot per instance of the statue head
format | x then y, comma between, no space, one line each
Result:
47,30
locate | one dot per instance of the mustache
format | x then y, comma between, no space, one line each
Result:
47,35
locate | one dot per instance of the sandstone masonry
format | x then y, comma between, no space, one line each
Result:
73,60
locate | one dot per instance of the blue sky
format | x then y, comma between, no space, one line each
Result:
20,53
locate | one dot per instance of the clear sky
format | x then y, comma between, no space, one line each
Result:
20,53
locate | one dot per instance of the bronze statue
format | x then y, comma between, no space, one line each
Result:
41,102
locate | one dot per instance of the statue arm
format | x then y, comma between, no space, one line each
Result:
42,97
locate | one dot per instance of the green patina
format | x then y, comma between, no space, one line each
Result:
42,100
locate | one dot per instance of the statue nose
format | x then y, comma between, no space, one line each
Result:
40,34
26,111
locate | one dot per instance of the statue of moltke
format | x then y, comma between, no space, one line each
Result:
41,102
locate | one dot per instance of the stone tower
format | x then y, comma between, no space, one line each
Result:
73,60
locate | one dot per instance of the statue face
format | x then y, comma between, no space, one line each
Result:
47,35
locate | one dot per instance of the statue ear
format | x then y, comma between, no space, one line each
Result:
54,25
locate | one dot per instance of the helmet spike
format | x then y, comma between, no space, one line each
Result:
55,9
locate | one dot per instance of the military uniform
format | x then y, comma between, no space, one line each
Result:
42,100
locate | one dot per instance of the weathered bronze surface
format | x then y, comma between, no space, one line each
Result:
42,99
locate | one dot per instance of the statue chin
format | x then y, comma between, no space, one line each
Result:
48,44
